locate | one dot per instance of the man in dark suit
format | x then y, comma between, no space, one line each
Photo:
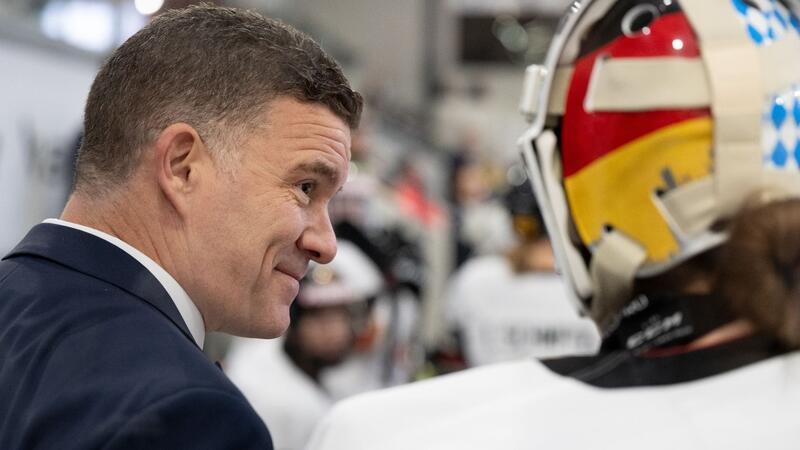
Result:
214,139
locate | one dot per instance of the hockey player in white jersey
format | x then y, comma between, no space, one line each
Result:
513,305
664,151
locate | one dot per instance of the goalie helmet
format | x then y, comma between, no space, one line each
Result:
651,123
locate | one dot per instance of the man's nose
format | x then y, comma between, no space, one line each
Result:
318,240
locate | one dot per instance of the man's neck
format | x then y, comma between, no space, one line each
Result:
127,224
148,246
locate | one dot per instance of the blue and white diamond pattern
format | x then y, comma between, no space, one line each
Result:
767,23
781,131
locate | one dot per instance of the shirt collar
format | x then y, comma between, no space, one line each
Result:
186,307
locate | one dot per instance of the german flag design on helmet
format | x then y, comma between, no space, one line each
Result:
652,121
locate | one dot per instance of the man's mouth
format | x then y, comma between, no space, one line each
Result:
294,273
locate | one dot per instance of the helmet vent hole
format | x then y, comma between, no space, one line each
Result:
752,4
637,20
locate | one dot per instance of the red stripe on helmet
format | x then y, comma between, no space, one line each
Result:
586,137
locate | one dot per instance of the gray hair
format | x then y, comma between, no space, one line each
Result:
211,67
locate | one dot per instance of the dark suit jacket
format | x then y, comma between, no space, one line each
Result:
94,354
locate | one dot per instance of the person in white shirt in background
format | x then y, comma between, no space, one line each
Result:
513,305
284,378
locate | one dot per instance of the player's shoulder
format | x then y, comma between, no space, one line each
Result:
485,266
476,277
386,415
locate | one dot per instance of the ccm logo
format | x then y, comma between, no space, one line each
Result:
655,329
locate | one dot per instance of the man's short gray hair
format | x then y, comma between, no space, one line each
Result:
211,67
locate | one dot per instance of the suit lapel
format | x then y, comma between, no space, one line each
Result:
102,260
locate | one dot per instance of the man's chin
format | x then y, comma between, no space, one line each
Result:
275,327
271,333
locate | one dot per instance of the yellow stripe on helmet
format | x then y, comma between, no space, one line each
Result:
618,189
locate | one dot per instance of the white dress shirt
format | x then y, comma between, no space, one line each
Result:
186,307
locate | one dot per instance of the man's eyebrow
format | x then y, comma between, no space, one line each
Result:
319,168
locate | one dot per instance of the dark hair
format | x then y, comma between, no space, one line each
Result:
211,67
759,271
756,271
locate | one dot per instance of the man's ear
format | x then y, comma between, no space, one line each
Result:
180,158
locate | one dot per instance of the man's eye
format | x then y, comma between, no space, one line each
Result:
307,187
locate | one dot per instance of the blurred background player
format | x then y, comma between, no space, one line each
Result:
663,151
513,305
481,225
368,212
284,379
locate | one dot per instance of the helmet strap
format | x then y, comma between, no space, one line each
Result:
736,101
615,261
664,320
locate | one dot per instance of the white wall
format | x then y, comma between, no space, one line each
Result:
493,119
385,35
42,94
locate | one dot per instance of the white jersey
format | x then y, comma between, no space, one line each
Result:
504,316
524,405
288,400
